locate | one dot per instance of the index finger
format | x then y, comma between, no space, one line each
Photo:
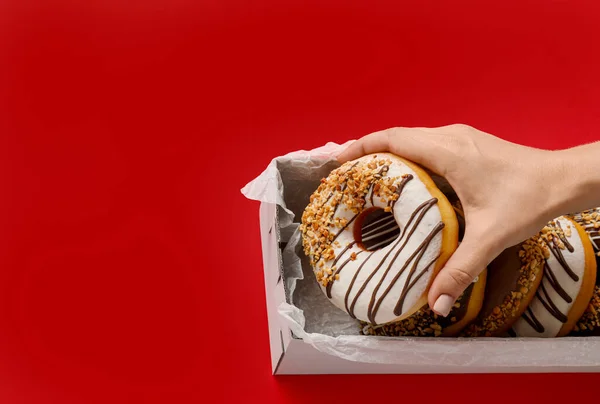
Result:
412,144
373,143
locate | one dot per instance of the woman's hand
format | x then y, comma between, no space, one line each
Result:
508,192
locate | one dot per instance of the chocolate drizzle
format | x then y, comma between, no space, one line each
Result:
414,220
343,186
349,246
345,227
387,227
380,232
532,321
383,171
337,271
350,309
562,237
555,285
549,276
337,205
339,201
398,308
371,190
372,238
421,210
550,306
386,219
377,176
401,185
561,259
417,253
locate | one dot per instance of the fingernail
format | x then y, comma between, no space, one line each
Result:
443,305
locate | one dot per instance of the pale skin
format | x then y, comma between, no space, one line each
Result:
508,191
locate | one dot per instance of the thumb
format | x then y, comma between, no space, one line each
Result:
468,261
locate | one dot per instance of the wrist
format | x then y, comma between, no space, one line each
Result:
574,180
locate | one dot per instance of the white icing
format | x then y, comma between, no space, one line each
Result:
576,261
413,194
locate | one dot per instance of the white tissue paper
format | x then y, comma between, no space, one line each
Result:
288,182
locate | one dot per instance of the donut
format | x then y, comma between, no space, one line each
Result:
425,323
567,284
512,280
377,230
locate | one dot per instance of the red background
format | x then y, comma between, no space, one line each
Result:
129,261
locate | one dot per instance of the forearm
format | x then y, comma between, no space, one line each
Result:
575,179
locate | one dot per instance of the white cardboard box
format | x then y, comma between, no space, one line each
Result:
291,355
305,353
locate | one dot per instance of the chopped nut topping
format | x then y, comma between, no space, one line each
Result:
424,323
420,324
533,255
338,199
590,319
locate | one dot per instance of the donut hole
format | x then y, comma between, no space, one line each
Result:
376,229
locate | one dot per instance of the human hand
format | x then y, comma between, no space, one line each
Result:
506,191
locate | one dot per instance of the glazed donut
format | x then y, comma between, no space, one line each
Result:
567,285
377,230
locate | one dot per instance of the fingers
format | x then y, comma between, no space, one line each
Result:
373,143
413,144
468,261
